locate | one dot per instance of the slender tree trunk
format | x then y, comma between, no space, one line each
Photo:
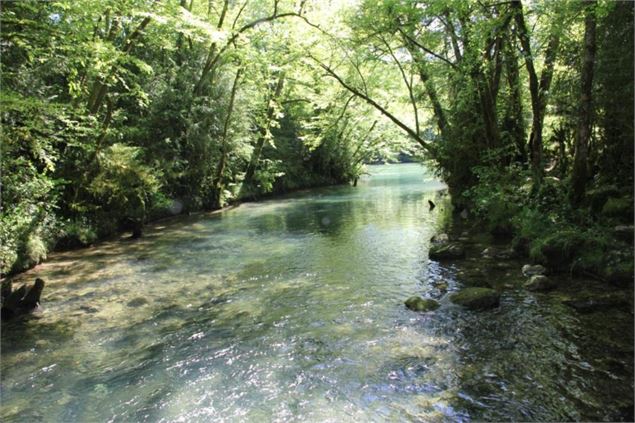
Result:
514,120
538,89
255,156
583,133
535,138
439,114
218,185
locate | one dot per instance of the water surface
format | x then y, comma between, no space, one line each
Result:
292,310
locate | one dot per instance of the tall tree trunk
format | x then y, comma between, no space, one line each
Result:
218,184
535,138
430,89
538,89
583,133
514,118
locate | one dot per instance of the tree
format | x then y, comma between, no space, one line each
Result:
583,134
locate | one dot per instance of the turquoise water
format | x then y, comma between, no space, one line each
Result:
292,310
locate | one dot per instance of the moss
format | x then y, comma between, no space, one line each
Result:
476,298
30,254
420,304
76,235
619,208
557,248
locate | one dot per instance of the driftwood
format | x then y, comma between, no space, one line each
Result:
21,301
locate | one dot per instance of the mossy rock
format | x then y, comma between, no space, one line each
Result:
558,248
476,298
540,283
447,251
597,197
619,208
420,304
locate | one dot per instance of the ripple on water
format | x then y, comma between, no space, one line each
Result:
292,310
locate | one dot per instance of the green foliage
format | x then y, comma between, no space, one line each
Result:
123,183
620,208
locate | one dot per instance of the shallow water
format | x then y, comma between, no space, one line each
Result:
292,310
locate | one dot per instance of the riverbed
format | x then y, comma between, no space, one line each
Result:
291,309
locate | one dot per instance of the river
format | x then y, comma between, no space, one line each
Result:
291,309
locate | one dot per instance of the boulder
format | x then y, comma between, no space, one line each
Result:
420,304
447,251
540,283
531,270
476,298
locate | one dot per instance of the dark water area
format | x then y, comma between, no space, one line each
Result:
292,310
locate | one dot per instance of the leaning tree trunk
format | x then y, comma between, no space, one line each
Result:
583,133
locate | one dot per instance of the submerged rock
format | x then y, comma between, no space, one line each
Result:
137,302
476,298
499,253
420,304
447,251
529,270
540,283
599,302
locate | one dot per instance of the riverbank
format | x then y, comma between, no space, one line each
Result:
70,237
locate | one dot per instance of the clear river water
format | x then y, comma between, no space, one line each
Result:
291,309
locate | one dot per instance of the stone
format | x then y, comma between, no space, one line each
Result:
476,298
540,283
440,239
443,286
447,251
136,302
419,304
499,253
599,302
537,269
624,232
88,309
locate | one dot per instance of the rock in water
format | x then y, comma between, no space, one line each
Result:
447,251
476,298
540,283
419,304
440,239
599,302
499,253
431,204
529,270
